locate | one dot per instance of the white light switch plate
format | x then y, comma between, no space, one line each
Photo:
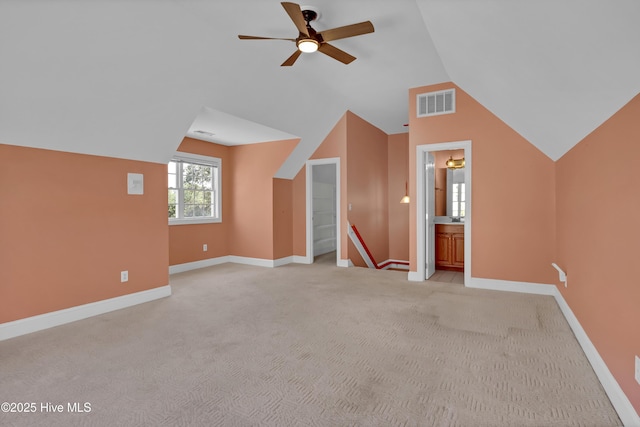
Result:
638,369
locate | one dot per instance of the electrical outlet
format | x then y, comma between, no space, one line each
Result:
124,276
204,248
638,369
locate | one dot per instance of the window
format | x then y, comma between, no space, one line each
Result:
457,200
194,189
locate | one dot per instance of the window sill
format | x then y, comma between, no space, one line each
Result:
194,221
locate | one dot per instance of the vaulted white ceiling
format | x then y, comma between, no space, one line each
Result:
131,79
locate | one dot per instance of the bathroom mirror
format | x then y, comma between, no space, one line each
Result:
455,193
450,186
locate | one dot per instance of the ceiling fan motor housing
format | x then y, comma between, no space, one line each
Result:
310,13
312,42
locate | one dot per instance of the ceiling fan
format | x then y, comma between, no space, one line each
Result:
309,40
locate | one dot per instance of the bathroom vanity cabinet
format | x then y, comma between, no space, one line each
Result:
450,247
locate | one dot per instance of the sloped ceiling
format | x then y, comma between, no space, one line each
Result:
131,79
552,70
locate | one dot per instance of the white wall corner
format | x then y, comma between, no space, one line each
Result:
301,259
72,314
345,263
414,276
283,261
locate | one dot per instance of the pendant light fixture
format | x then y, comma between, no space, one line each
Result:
405,199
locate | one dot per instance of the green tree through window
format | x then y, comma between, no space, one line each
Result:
193,189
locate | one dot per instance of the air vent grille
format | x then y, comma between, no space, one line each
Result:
435,103
204,132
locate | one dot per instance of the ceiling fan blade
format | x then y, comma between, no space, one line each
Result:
243,37
336,53
347,31
295,13
289,62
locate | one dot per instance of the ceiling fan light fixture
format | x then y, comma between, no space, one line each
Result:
308,45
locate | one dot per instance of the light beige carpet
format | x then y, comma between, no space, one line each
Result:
310,345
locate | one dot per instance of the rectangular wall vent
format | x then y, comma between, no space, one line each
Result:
204,132
435,103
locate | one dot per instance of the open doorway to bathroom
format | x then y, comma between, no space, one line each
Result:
444,212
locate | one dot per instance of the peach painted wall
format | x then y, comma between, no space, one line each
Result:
69,228
186,240
299,217
513,190
282,218
398,177
252,171
367,185
368,157
334,145
251,198
598,235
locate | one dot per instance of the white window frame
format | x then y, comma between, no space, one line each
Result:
216,163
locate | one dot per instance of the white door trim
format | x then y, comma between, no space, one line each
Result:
419,275
309,197
430,209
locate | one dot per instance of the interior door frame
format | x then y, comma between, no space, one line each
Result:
309,214
420,274
430,209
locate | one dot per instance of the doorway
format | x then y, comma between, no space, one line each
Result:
425,209
323,210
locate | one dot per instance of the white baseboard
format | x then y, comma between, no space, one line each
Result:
345,263
619,400
180,268
72,314
510,286
282,261
297,259
413,276
395,263
258,262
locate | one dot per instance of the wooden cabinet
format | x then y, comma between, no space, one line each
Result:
450,247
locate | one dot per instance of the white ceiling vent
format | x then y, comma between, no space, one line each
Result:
435,103
204,132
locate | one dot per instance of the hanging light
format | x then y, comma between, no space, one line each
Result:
455,163
405,199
